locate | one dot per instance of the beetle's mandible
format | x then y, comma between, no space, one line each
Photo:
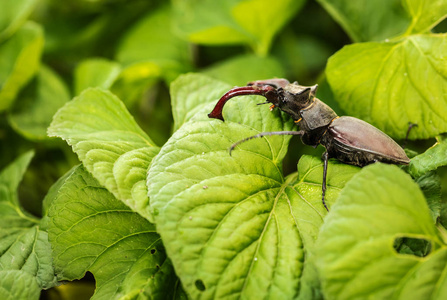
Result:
347,139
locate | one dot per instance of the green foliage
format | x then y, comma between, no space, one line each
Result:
356,241
20,58
91,230
108,141
133,183
252,22
398,82
395,82
367,20
26,261
431,159
14,14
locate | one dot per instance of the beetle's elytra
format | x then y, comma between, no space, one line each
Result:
347,139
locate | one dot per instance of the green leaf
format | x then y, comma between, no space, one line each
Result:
109,143
242,69
355,253
393,83
30,252
425,14
15,284
19,61
95,72
25,254
134,80
251,22
431,159
13,15
90,230
34,109
12,216
365,20
233,225
262,24
430,185
190,93
152,40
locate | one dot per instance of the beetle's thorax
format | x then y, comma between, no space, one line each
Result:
309,114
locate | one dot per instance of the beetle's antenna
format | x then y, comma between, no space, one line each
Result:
410,126
300,132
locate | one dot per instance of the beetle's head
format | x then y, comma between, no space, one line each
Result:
289,97
295,97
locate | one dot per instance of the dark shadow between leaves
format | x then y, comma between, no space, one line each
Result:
412,246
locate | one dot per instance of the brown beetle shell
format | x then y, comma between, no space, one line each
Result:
359,143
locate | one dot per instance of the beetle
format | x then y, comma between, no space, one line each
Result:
348,139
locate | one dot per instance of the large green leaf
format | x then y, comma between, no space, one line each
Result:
90,230
25,253
19,61
355,249
251,22
109,143
233,225
393,83
366,20
431,159
34,109
13,14
425,14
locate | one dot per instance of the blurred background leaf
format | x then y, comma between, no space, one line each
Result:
19,61
253,22
366,20
13,14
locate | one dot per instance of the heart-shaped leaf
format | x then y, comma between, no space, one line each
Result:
234,225
109,142
90,230
356,250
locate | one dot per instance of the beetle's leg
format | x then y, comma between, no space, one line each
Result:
300,132
325,160
266,90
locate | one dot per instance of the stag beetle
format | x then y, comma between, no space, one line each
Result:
347,139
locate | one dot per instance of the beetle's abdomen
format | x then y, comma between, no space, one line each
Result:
359,143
